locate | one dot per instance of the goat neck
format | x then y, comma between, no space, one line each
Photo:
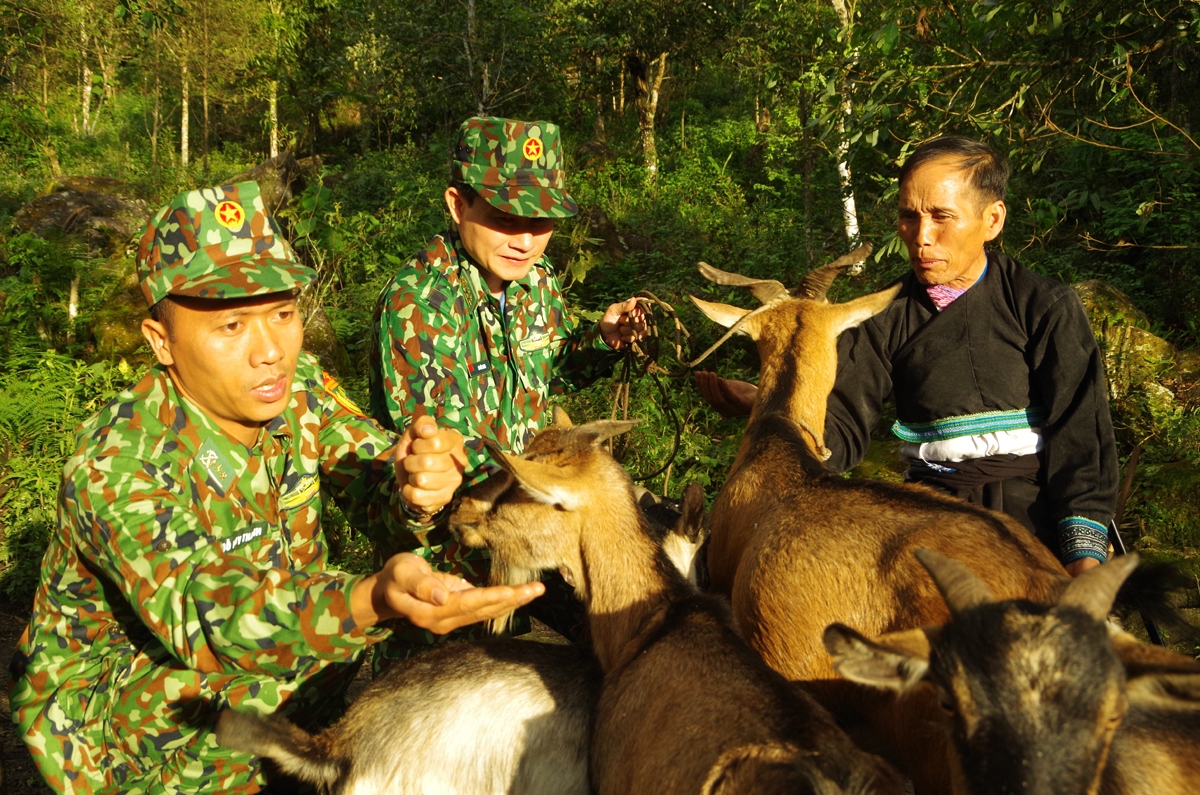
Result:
629,585
798,372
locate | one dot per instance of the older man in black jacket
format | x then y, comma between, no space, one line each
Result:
998,383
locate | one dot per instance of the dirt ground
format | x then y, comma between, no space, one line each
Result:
20,776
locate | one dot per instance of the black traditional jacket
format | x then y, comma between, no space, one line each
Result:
1014,341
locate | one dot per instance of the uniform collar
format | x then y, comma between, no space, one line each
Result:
193,426
474,289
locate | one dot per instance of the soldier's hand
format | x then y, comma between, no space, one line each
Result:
623,323
729,398
408,588
429,465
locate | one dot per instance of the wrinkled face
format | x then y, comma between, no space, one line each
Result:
944,223
504,246
1035,698
234,359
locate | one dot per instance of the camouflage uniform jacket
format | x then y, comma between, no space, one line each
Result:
188,574
441,341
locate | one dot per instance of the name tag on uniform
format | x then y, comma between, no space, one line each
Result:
305,489
251,533
479,368
535,341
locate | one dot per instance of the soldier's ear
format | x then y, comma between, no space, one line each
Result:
159,341
454,203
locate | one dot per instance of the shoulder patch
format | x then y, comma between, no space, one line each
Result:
305,489
339,396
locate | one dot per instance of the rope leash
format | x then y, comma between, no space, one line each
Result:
641,359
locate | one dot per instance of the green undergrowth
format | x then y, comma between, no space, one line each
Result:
43,399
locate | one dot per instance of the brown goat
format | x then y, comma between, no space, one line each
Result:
1035,695
685,705
797,548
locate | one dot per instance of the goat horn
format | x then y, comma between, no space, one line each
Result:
1094,591
763,289
960,587
816,283
734,329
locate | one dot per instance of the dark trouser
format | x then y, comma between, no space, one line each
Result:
1008,484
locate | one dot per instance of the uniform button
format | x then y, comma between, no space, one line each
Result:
163,546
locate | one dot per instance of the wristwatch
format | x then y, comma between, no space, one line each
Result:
420,517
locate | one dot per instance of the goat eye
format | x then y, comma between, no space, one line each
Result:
945,703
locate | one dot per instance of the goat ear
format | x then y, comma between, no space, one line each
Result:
960,587
721,314
691,523
1093,591
869,663
1153,672
763,289
549,484
588,435
816,283
852,313
561,419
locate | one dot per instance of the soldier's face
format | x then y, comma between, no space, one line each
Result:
504,246
234,359
944,223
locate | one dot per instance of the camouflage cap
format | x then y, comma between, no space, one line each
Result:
217,243
515,165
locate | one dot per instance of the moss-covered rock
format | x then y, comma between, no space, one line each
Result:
1133,355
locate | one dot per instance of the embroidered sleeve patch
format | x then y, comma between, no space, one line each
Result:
305,489
340,397
534,342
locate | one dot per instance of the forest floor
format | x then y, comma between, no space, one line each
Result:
20,775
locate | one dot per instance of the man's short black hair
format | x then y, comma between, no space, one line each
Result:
164,312
989,170
469,194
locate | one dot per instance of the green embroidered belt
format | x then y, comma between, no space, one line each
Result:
970,425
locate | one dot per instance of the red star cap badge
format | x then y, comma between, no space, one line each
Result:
230,215
533,148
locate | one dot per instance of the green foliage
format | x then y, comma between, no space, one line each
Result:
42,401
761,103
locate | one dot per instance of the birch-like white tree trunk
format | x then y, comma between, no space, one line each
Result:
85,81
273,111
849,210
184,116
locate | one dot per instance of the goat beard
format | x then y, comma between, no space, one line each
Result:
503,574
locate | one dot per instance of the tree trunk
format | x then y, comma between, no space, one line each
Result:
204,85
155,115
85,80
273,111
621,92
183,115
649,79
849,210
45,83
599,98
